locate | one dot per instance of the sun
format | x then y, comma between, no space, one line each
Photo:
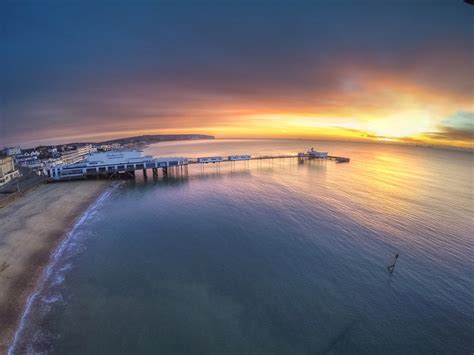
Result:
401,124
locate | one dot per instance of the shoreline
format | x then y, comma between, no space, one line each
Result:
33,227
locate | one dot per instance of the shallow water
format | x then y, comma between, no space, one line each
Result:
271,258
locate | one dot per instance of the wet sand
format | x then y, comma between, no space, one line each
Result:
31,228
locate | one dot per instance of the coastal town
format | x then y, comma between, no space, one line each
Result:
23,169
116,161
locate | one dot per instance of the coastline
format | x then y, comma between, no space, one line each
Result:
32,228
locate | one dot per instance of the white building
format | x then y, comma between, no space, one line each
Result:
239,157
12,151
7,170
28,161
104,147
117,157
76,155
206,160
50,162
315,154
33,153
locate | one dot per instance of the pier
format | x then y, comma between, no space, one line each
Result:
269,157
125,164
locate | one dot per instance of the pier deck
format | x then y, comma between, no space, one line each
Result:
337,159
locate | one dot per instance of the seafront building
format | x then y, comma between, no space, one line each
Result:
40,157
315,154
8,172
76,155
29,160
11,151
108,147
52,150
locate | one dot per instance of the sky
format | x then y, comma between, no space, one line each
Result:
387,71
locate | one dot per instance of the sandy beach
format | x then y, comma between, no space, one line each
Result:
31,228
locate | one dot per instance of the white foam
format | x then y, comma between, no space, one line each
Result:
66,267
52,299
55,257
59,279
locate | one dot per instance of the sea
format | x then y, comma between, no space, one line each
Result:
268,257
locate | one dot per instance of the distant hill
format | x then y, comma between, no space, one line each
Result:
148,139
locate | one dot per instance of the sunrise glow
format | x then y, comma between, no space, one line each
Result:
244,81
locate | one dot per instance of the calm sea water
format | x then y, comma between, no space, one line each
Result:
270,258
